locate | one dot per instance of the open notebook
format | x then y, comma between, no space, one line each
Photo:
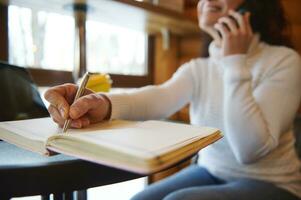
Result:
141,147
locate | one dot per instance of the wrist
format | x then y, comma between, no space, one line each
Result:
109,106
235,51
236,68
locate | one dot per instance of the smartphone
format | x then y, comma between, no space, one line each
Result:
245,7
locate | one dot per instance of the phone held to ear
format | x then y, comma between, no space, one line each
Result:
242,11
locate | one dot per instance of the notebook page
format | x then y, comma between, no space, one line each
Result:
35,129
150,136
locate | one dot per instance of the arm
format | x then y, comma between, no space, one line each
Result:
155,102
145,103
255,118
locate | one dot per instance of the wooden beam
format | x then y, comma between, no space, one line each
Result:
166,60
3,32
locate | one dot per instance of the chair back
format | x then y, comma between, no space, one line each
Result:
19,98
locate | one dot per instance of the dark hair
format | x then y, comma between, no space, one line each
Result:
267,18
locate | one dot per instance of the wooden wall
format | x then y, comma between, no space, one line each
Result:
3,33
292,8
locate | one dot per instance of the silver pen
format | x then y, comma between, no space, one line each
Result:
79,93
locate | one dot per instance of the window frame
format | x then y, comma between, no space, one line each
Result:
4,32
48,77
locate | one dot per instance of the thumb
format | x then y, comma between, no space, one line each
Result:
84,104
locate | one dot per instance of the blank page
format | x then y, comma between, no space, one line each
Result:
149,137
35,129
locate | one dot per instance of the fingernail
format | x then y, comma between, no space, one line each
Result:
73,112
76,124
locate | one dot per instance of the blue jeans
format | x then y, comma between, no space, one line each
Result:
196,183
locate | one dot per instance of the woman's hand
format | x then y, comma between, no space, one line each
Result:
236,33
90,108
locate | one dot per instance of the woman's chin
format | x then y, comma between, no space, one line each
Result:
207,27
207,22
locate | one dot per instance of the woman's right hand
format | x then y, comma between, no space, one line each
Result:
88,109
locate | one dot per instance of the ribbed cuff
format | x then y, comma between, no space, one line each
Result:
236,68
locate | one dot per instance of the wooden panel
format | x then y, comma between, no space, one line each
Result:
296,36
190,46
161,175
50,77
3,33
292,8
53,77
176,5
166,61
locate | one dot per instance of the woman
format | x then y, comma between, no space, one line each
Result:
248,87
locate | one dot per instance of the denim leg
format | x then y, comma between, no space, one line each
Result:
191,176
244,189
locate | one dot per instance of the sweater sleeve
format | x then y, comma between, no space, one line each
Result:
256,117
154,102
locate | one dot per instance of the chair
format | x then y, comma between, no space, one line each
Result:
23,173
20,98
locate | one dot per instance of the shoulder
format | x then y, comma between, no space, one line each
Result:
277,55
195,64
199,62
193,70
278,59
278,65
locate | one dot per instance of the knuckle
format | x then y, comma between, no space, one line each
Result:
55,120
91,99
237,15
228,36
69,85
48,94
235,34
239,34
51,109
85,101
58,121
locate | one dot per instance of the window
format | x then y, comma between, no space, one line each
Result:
115,49
40,39
43,40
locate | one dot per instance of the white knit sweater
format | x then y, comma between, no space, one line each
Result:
252,98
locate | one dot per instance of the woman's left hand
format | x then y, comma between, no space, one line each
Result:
236,33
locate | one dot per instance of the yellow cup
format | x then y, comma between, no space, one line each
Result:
99,82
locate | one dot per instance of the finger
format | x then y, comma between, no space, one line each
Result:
81,106
68,91
222,29
217,37
247,18
59,96
240,20
56,116
230,23
80,123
